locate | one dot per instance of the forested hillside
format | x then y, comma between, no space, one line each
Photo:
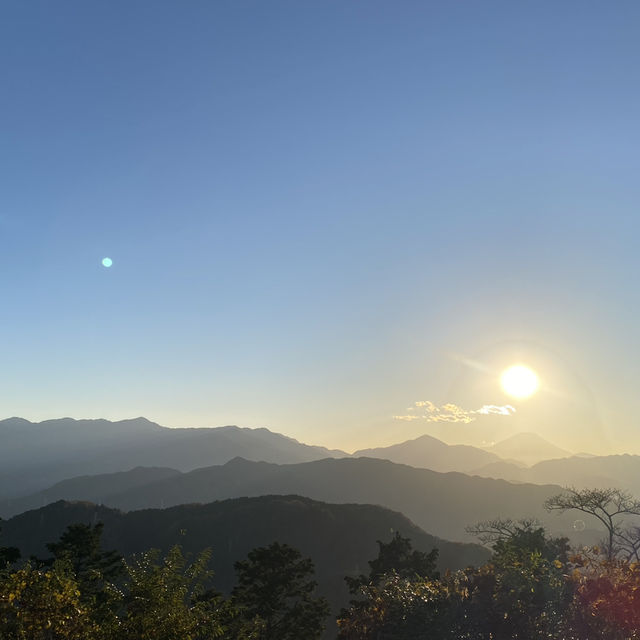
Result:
339,538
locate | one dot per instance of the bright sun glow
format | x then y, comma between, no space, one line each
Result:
519,381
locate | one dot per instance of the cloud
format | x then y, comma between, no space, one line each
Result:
452,413
506,410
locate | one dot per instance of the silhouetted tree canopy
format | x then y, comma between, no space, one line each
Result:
399,556
275,586
8,555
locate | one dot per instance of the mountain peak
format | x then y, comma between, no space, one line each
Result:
236,462
14,421
430,453
528,447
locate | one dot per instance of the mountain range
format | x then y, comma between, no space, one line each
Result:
441,503
133,464
35,455
621,471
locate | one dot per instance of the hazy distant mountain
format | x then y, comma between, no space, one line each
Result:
430,453
481,431
622,471
339,538
96,489
441,503
529,448
503,470
35,455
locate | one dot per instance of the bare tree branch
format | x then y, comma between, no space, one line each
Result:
489,532
609,506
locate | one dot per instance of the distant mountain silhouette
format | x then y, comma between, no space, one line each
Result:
528,448
441,503
340,538
36,455
622,471
96,489
504,470
430,453
484,429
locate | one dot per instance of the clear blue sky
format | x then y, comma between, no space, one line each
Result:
312,206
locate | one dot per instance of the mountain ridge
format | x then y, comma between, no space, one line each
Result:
37,455
617,470
442,503
527,447
429,452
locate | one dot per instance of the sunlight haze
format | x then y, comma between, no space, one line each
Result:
308,207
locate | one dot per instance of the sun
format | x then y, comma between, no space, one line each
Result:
519,381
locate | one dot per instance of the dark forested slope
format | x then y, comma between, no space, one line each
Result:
340,538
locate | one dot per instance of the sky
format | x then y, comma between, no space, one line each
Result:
322,213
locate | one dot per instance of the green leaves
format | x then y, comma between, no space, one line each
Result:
86,593
166,598
44,604
521,594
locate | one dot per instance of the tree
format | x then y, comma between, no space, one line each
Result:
95,570
489,532
522,591
606,602
400,597
399,556
167,599
610,507
44,604
275,589
399,608
8,555
80,544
